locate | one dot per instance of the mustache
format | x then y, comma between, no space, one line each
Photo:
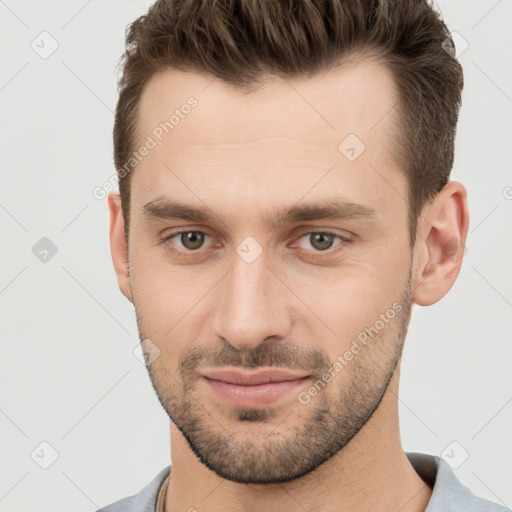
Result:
269,353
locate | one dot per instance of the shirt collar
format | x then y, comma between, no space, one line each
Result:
448,493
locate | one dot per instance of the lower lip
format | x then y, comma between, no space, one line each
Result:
254,396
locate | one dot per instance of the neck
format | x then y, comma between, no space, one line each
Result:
371,473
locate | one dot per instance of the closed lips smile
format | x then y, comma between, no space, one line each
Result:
255,389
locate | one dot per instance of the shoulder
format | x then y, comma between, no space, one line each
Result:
144,500
126,505
449,494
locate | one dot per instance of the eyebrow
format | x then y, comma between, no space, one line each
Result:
166,209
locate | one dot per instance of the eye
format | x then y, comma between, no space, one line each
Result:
314,242
320,240
189,240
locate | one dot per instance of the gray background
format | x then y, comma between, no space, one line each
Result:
68,373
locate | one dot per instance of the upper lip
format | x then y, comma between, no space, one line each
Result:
253,378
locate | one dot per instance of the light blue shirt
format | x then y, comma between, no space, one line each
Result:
448,495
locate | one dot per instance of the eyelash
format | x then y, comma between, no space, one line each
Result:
313,255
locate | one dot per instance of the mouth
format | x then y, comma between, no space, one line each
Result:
253,389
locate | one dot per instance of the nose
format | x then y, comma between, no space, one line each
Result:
252,304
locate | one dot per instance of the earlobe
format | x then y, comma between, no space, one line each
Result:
440,244
118,247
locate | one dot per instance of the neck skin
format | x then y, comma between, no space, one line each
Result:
371,473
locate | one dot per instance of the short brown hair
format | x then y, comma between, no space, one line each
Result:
243,41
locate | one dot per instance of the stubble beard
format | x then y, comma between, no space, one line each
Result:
258,451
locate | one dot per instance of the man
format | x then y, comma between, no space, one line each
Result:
284,201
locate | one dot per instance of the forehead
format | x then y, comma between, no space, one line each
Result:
274,142
353,97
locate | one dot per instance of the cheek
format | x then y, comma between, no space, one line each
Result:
346,301
169,298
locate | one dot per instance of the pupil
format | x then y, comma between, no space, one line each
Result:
322,241
192,239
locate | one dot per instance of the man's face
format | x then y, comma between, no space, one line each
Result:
247,289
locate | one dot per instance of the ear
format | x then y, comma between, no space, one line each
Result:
440,244
118,246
